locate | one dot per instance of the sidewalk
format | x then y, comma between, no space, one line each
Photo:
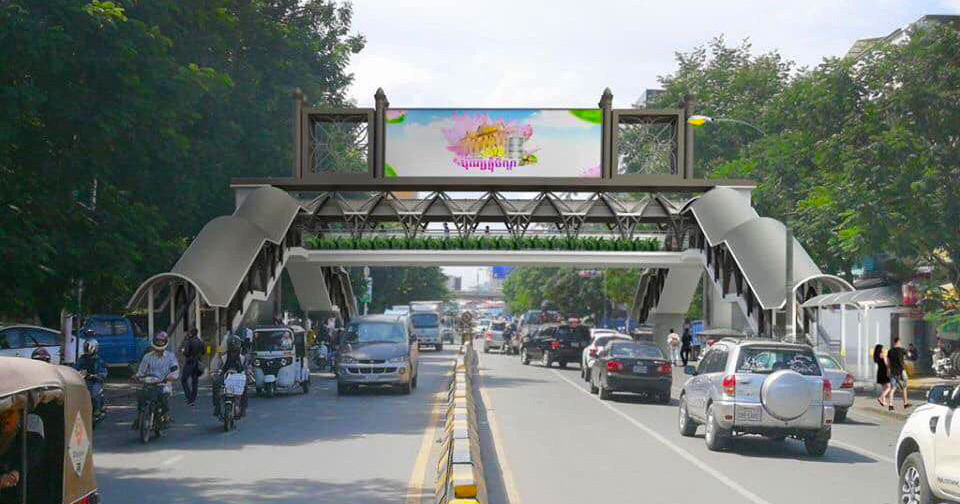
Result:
917,389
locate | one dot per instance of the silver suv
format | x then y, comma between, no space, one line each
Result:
755,386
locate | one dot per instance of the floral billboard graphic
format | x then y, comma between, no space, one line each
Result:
475,142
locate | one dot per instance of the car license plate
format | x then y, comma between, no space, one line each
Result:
640,369
748,414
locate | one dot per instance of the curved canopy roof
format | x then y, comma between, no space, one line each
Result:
758,245
719,211
218,259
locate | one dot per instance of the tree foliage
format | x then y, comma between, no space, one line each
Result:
528,286
860,157
121,124
400,286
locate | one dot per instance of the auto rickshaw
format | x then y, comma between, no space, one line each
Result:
280,359
45,434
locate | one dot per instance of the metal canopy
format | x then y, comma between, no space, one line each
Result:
218,259
757,245
867,298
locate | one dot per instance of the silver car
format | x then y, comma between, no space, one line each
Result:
756,386
842,383
378,350
494,338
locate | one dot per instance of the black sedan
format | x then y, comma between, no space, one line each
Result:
626,366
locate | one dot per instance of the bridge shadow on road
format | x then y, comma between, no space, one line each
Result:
148,486
289,419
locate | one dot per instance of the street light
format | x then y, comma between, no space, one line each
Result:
791,309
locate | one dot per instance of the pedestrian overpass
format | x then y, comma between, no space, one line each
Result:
357,172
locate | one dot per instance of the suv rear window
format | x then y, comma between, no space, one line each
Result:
498,326
767,360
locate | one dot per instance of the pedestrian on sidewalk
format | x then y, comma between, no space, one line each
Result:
673,341
883,378
685,346
898,372
192,350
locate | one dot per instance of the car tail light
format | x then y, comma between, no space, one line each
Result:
555,345
827,390
90,498
593,352
489,336
665,368
614,366
848,382
729,385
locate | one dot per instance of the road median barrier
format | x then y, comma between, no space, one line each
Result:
460,478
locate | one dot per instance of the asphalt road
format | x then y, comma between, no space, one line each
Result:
557,443
372,447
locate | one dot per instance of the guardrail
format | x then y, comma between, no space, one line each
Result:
460,478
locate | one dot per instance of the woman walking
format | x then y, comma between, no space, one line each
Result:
883,377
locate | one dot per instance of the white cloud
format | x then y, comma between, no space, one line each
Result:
507,53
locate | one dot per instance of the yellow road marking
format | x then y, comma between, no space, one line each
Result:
415,487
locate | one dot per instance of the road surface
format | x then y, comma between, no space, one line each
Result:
363,448
557,443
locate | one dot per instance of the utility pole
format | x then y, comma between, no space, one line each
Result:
790,299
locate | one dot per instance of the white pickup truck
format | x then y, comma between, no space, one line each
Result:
928,450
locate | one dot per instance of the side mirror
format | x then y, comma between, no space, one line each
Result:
690,370
940,394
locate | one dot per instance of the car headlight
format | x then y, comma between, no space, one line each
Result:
256,362
397,360
346,359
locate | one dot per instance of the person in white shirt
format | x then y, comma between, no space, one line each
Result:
673,342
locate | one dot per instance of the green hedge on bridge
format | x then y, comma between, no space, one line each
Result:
485,243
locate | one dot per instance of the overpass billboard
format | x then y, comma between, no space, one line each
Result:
493,142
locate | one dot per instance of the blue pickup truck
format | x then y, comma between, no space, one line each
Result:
122,343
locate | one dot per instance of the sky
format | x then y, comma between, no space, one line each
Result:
560,53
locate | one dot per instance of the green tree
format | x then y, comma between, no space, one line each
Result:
400,286
121,125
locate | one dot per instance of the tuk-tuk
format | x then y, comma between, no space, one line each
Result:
280,359
45,434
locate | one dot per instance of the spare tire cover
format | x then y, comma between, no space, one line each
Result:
786,394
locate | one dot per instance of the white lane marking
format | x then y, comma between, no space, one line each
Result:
172,460
733,485
861,451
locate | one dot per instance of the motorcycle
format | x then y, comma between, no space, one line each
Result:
234,385
97,400
151,420
319,357
942,363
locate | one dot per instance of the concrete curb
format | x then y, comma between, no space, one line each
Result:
460,478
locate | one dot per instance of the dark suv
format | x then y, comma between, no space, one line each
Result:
560,343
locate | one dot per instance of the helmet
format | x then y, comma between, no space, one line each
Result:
90,346
234,345
160,341
41,354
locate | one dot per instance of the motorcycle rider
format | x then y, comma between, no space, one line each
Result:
235,362
95,371
160,363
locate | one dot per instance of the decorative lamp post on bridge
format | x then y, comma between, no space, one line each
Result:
790,307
